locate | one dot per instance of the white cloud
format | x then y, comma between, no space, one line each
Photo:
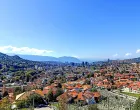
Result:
24,50
128,54
138,51
115,55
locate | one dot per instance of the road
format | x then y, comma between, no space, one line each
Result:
46,108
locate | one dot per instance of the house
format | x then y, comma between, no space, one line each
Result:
133,87
25,95
65,97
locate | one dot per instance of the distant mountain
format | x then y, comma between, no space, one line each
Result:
12,60
4,57
38,58
49,58
69,59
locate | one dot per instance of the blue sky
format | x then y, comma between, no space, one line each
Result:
90,29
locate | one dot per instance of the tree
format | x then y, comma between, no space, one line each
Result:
36,98
87,82
5,94
3,77
28,76
5,104
137,105
21,104
93,90
49,96
33,98
58,93
12,69
18,90
0,96
17,78
62,104
59,85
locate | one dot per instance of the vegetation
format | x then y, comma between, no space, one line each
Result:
5,104
62,104
49,96
5,94
131,94
33,99
93,90
58,93
137,105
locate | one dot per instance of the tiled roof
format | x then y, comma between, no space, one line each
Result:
97,94
80,96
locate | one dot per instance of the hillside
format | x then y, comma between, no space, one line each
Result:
16,60
49,58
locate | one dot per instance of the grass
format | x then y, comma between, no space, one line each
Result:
131,94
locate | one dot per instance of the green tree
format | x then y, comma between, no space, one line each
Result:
62,104
137,105
28,76
5,104
59,85
87,82
93,90
3,77
37,99
21,104
18,90
12,69
58,93
5,94
0,96
49,96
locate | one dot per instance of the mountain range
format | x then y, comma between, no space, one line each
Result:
30,58
49,58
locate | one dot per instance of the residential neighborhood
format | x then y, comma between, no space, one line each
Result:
69,54
67,85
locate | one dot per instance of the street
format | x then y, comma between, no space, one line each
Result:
46,108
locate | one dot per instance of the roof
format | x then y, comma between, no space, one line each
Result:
73,93
39,92
64,97
96,94
80,96
24,95
18,96
85,87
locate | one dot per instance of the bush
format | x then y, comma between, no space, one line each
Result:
21,104
93,90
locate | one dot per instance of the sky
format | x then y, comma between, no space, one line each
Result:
86,29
